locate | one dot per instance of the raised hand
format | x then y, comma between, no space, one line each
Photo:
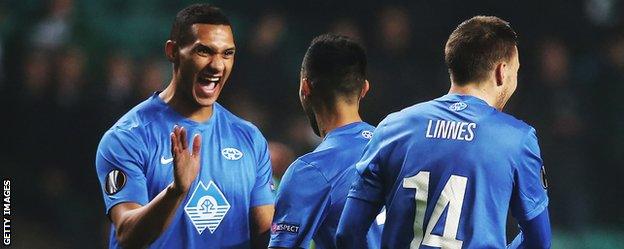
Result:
185,159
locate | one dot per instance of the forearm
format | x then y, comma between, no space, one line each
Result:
355,221
139,227
534,233
260,240
260,219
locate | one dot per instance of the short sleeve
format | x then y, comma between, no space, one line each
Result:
529,197
368,184
261,193
302,202
119,164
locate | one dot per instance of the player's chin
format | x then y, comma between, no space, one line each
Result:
206,98
205,101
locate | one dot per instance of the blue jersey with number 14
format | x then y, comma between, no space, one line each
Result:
448,171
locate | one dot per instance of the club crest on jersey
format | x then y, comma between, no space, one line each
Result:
458,106
207,207
367,134
231,154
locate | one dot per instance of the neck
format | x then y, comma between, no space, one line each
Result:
185,105
342,114
475,89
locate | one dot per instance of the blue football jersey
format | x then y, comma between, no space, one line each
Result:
448,171
134,164
314,190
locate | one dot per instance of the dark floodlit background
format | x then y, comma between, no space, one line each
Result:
70,69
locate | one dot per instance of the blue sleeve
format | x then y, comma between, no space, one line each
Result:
529,197
119,165
368,184
302,202
534,233
261,193
355,223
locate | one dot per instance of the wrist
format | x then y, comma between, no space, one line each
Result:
176,190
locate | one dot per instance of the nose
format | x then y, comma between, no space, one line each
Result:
217,64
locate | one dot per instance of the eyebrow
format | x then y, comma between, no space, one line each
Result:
211,48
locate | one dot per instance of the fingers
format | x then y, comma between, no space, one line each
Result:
196,144
183,139
179,140
174,143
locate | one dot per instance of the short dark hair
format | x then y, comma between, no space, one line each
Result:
476,45
335,65
196,13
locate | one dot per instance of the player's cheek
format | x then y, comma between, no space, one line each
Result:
200,63
229,65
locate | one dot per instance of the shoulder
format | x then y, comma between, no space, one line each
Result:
505,132
411,112
513,122
307,161
130,128
394,123
304,168
238,123
513,126
137,118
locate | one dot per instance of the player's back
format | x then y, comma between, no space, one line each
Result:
449,167
313,192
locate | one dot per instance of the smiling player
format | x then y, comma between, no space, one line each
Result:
161,190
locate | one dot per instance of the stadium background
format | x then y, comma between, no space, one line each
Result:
70,69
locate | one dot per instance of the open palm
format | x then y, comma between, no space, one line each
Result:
185,158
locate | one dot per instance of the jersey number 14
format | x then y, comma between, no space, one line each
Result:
452,196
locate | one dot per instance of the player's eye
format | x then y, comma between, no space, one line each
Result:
228,53
202,51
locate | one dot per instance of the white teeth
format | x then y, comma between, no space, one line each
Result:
213,79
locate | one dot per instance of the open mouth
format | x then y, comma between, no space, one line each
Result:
208,83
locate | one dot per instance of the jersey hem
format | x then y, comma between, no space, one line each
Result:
536,211
115,203
261,202
285,243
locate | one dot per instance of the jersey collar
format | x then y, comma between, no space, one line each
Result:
167,110
345,129
463,97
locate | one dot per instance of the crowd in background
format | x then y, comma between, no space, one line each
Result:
70,69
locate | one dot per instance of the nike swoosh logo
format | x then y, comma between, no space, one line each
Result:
165,161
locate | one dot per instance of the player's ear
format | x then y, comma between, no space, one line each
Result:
171,51
500,72
304,88
365,89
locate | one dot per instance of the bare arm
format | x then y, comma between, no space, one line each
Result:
260,220
137,226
